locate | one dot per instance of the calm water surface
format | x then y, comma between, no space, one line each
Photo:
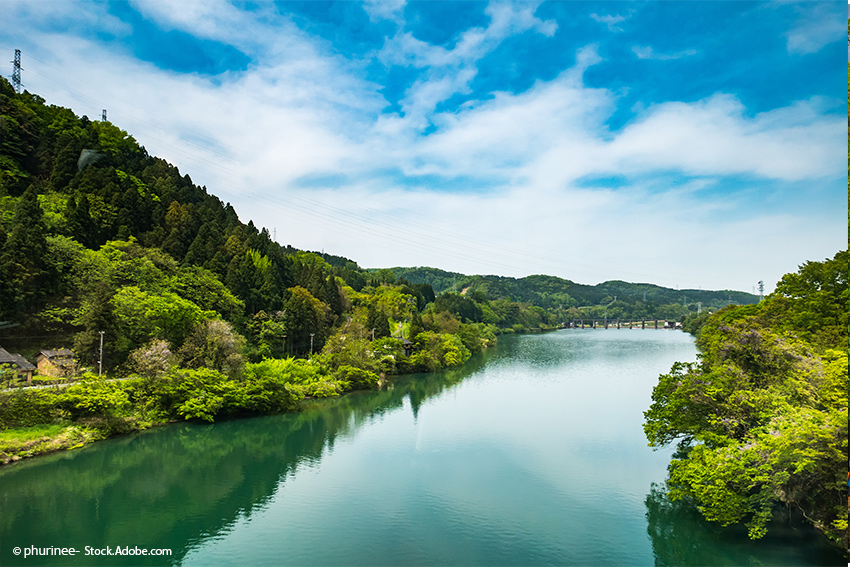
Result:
531,454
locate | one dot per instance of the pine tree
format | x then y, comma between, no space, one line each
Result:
23,258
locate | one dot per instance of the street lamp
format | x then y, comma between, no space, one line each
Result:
100,359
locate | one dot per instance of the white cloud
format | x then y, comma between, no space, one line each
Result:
68,16
714,137
447,72
646,52
610,21
217,20
815,28
378,10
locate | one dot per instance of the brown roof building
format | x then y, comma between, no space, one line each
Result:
16,364
59,363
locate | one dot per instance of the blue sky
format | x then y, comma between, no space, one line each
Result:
690,144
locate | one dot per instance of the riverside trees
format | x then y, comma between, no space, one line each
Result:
761,419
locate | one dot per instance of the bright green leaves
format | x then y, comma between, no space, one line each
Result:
303,378
434,351
113,140
136,294
358,378
812,302
797,458
142,315
762,419
94,397
261,262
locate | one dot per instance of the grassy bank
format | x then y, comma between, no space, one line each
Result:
22,442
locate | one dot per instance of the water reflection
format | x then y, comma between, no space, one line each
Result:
680,537
538,458
177,486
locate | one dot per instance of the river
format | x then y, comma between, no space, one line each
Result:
531,454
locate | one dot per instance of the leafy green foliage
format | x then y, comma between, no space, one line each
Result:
94,397
27,408
358,378
762,418
141,316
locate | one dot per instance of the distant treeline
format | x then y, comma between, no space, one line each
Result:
612,299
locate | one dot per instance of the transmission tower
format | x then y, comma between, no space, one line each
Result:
103,116
761,290
16,72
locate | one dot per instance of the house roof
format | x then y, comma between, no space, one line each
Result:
15,359
62,352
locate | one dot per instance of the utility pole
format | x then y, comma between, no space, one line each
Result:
311,343
16,72
100,361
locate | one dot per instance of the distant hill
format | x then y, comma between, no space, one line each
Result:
550,292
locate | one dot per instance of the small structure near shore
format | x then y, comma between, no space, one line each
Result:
60,363
16,365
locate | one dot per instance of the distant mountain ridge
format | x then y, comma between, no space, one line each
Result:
552,292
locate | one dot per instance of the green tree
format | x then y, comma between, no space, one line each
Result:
141,316
306,316
22,258
377,322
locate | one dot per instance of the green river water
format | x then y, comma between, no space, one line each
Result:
531,454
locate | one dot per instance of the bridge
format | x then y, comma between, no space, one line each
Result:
617,324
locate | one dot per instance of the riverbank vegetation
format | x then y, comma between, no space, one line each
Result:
761,420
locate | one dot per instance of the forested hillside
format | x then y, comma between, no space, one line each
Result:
612,299
100,240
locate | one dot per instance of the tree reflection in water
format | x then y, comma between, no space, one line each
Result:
180,485
680,536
